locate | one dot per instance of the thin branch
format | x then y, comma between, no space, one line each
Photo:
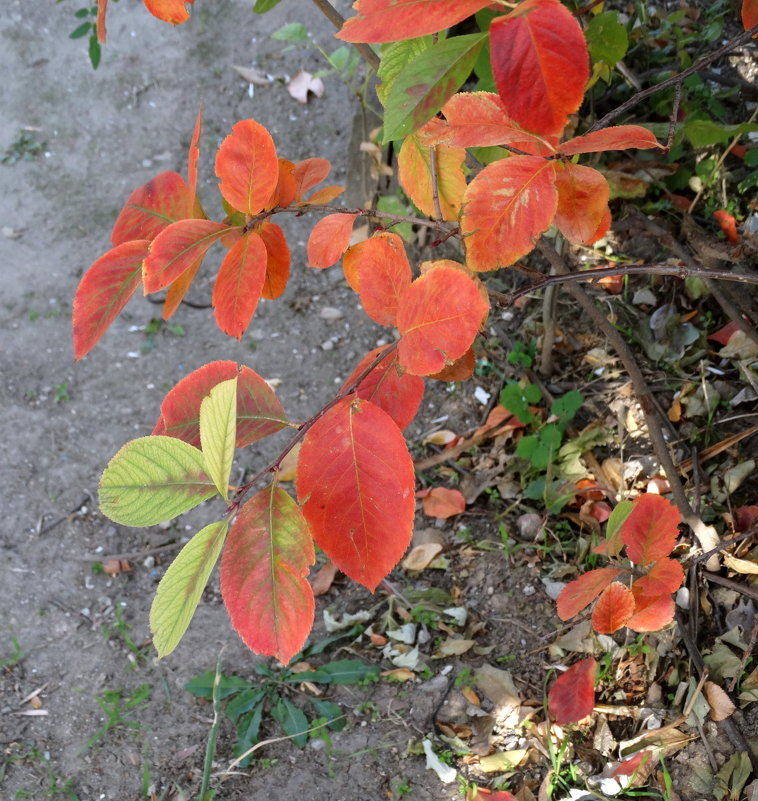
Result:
674,115
737,41
331,13
435,182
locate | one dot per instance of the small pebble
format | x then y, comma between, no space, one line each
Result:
328,345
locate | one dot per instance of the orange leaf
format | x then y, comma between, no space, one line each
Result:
415,176
582,202
284,193
394,391
394,20
664,577
442,503
355,483
728,225
613,608
651,530
177,248
277,260
178,289
263,575
438,317
572,696
248,167
329,239
173,11
104,290
152,207
102,6
539,47
651,613
506,208
460,370
324,195
749,13
578,594
383,274
239,285
308,173
619,137
194,154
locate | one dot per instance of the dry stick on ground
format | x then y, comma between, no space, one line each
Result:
705,535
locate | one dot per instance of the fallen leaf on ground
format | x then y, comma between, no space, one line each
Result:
324,579
442,503
421,556
719,702
253,75
302,83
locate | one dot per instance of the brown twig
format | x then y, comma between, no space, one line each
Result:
674,114
725,544
331,13
435,181
744,589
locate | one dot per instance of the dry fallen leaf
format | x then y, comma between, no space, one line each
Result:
302,83
324,579
115,566
253,75
442,503
719,702
421,556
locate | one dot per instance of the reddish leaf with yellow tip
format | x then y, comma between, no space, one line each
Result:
651,530
572,696
329,239
277,260
173,11
355,484
582,202
263,575
383,274
613,608
581,592
619,137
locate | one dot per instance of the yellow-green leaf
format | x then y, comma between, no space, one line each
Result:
153,479
182,585
218,431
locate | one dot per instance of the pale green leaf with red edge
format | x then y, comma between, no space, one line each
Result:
263,575
749,13
460,370
179,288
414,163
505,210
153,206
619,137
572,696
384,273
581,592
355,483
329,239
277,260
194,153
104,291
323,196
308,173
395,20
247,166
582,202
438,317
286,187
539,47
176,249
613,543
173,11
153,479
102,6
239,285
218,427
664,577
479,119
651,530
441,502
259,412
613,608
651,612
182,586
389,387
728,225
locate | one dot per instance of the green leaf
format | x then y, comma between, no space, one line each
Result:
218,432
202,686
551,436
94,51
607,39
702,133
393,205
395,56
488,155
291,32
322,645
343,671
244,702
182,585
248,729
292,720
82,30
617,517
423,85
153,479
262,6
329,710
567,405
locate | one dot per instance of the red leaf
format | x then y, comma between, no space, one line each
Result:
153,206
102,6
194,154
177,248
539,47
745,517
728,225
613,608
172,11
619,137
394,391
438,317
329,239
178,289
582,202
248,168
572,696
664,577
723,335
506,208
749,13
578,594
263,575
442,503
632,765
651,530
259,412
308,173
355,484
239,285
277,260
286,186
651,613
460,370
394,20
104,290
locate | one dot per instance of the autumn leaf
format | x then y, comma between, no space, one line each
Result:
309,172
651,613
581,592
355,484
619,137
539,47
194,154
505,210
572,696
613,609
728,225
749,13
582,202
178,289
442,503
438,317
102,7
329,239
664,577
323,196
104,291
173,11
459,370
263,575
277,260
651,530
286,186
